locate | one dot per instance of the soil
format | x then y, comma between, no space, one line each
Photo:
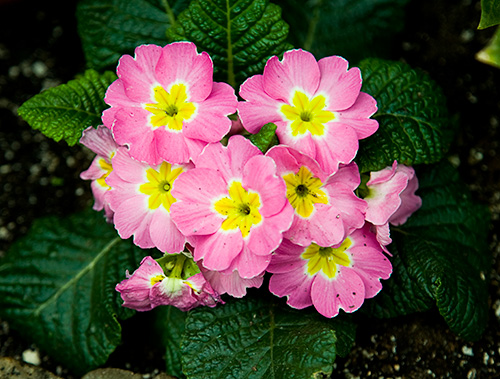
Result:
40,48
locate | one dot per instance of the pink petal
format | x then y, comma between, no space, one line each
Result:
219,249
132,218
127,169
371,265
181,63
286,258
296,285
259,108
249,264
297,70
409,201
345,291
341,86
231,283
117,98
138,74
171,146
358,116
95,171
164,234
100,140
211,122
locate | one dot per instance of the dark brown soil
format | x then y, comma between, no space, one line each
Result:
39,48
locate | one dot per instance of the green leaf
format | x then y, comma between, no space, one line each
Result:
265,138
490,13
354,29
258,338
109,29
442,256
490,54
414,125
63,112
57,288
239,35
171,324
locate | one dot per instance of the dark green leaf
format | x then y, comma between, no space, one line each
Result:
414,126
442,256
239,35
354,29
63,112
109,29
258,338
265,138
171,323
490,13
57,288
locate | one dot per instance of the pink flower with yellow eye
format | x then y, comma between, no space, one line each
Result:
165,105
100,141
141,198
317,106
330,277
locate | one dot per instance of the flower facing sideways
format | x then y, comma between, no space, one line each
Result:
331,277
317,106
100,141
150,285
165,105
141,197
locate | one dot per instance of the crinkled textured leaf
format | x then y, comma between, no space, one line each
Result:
109,29
414,126
257,338
265,138
490,13
63,112
57,288
354,29
171,324
239,35
442,255
490,54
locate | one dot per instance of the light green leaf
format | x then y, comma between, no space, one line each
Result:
57,288
354,29
258,338
265,138
490,13
414,125
490,54
441,256
239,35
109,29
63,112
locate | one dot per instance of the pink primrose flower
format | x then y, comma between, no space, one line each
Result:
141,197
149,287
317,106
326,208
330,278
165,105
232,207
391,198
100,141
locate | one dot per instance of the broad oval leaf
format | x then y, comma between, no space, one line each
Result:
441,256
109,29
258,338
239,35
265,138
490,13
63,112
57,288
414,125
354,29
490,54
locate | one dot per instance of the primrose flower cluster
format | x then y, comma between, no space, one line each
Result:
224,215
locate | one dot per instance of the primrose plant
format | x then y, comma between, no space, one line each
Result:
236,165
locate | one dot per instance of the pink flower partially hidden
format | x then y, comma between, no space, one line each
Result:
317,106
149,287
326,208
141,197
330,278
165,105
232,208
100,141
391,198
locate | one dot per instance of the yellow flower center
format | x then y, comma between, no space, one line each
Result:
326,259
156,279
307,114
159,185
241,209
303,190
106,166
171,109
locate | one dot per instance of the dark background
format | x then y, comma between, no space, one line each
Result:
40,48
